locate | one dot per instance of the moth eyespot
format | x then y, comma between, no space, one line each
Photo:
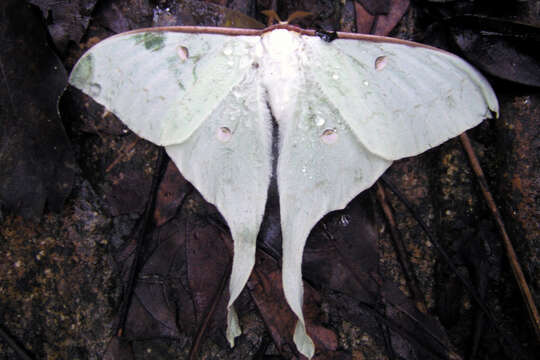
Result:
224,134
255,65
182,52
329,136
380,63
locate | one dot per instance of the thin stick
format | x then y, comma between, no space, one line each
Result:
515,347
408,335
141,230
123,152
14,345
510,252
402,255
206,321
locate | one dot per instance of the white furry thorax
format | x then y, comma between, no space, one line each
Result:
281,64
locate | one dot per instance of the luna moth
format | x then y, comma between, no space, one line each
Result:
345,109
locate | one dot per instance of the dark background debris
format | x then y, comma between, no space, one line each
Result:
37,164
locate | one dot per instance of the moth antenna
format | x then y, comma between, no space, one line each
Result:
298,15
272,16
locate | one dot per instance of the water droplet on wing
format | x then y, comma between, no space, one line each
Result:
224,134
182,52
319,121
95,89
380,63
329,136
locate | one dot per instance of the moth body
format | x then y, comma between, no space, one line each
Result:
281,71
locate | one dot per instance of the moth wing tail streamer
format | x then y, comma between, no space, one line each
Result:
228,159
400,99
364,104
198,95
321,167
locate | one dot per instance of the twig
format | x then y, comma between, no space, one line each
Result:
510,340
364,278
14,345
141,229
510,252
402,255
206,321
425,347
387,337
123,151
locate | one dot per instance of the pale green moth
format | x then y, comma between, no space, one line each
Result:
345,110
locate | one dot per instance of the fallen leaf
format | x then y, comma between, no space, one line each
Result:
36,162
